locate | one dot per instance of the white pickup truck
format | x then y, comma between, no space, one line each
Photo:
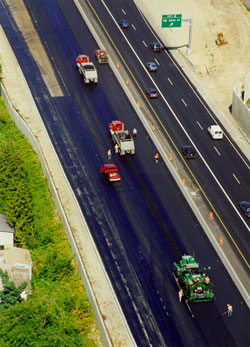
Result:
122,138
87,69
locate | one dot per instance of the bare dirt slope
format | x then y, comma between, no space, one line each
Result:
219,68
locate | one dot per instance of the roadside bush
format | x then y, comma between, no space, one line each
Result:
58,312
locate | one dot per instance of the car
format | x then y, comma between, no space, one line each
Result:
152,93
245,207
156,46
215,131
151,66
124,23
189,152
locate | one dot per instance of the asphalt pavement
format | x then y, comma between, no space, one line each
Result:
140,225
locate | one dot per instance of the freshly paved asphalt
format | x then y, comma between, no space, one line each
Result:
142,224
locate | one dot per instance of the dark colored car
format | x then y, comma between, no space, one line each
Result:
156,46
124,23
245,207
151,66
152,93
189,152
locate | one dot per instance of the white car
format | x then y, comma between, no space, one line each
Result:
215,131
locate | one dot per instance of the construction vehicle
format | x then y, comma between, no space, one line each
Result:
193,281
111,172
220,39
101,56
86,69
122,138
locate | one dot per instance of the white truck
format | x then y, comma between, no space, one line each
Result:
122,138
87,69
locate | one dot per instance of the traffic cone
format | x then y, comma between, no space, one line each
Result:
127,82
221,240
153,128
117,65
183,180
211,215
170,158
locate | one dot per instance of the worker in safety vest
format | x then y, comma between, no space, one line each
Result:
229,310
109,154
157,157
116,148
181,294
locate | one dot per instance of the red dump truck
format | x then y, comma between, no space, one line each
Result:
111,172
86,69
101,56
122,137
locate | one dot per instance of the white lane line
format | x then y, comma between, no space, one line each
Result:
169,80
175,116
133,26
144,43
123,11
236,178
199,125
197,95
157,62
217,151
184,102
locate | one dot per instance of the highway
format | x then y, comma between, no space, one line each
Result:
142,224
185,117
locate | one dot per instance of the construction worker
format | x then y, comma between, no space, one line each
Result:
116,148
134,132
157,157
229,310
109,154
181,294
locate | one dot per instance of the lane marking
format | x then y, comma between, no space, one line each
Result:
123,11
238,181
184,102
193,90
133,26
169,80
157,62
199,125
144,43
165,130
217,151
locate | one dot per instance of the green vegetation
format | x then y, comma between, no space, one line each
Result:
10,294
248,8
58,312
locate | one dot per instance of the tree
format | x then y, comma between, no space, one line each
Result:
10,295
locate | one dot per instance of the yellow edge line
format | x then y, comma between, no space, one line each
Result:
165,130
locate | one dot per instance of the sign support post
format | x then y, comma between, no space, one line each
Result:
175,21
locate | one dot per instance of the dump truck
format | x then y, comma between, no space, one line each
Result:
101,56
122,138
86,69
111,172
193,281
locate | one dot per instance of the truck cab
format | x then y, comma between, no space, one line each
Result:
111,172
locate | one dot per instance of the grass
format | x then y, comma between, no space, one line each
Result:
58,313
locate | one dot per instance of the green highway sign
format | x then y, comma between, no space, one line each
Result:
171,21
